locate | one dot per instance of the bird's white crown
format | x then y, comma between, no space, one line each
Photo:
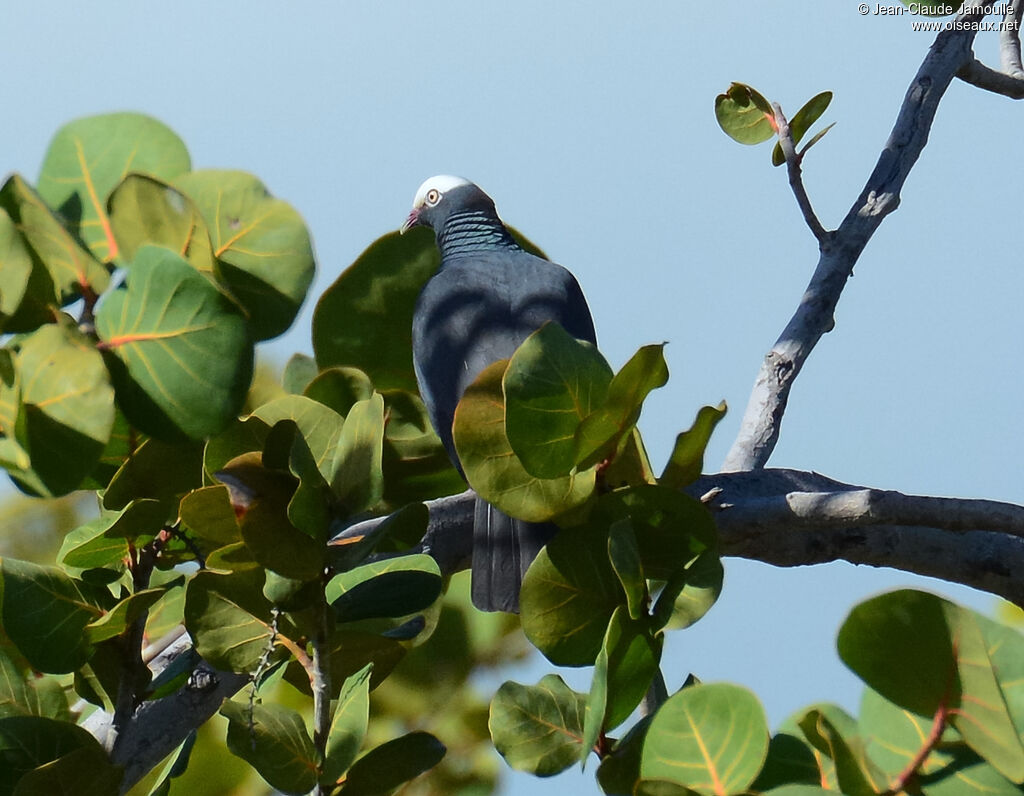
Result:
441,183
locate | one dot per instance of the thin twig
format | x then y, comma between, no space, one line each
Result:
796,180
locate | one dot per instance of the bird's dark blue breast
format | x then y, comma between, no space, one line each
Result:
476,310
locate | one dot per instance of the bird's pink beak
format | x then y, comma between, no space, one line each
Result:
412,221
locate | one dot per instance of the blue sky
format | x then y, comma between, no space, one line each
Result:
592,126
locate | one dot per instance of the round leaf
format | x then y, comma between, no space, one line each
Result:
552,383
908,626
180,352
364,319
387,766
569,593
147,210
264,257
273,739
491,467
393,587
45,613
67,410
229,618
538,728
744,115
88,157
709,737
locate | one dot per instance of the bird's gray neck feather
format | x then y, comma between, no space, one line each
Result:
473,231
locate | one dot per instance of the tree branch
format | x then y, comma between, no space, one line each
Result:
1009,40
759,430
793,518
783,517
796,180
977,74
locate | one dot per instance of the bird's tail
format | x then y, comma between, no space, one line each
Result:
503,549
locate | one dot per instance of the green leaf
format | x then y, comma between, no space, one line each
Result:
181,355
348,727
67,409
791,759
601,432
146,210
946,668
690,595
174,766
982,716
569,594
619,771
671,528
538,729
744,115
416,465
553,381
299,372
263,498
687,460
364,319
910,627
709,737
22,695
26,289
799,790
81,772
624,555
339,388
159,471
273,740
802,121
320,427
27,742
623,672
115,621
103,542
384,768
71,267
88,157
393,587
491,467
856,775
229,618
45,614
358,481
264,257
208,517
1006,652
894,736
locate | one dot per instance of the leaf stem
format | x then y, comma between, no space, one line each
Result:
320,680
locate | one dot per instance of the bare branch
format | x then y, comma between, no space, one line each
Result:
796,180
977,74
1009,40
793,518
759,429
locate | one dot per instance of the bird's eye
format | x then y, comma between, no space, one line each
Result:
433,196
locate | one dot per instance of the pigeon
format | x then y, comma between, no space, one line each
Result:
487,297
